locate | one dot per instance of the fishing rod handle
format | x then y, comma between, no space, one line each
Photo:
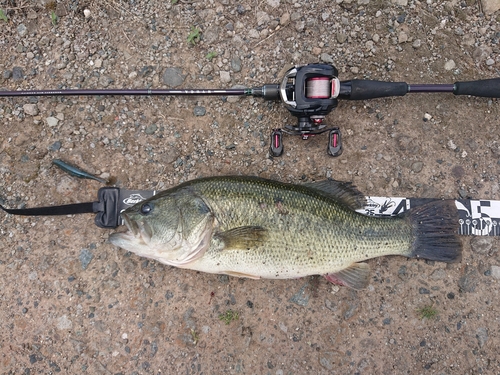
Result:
487,88
360,89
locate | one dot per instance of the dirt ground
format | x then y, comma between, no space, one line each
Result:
70,302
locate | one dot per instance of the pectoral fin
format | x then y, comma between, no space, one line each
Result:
356,276
243,237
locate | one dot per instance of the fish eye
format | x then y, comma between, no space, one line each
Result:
146,208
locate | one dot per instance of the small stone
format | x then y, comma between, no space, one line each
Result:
301,298
172,77
236,64
490,62
438,274
273,3
98,63
423,290
450,65
86,13
325,57
417,167
262,18
21,29
56,146
285,19
468,282
341,38
481,244
495,272
240,9
482,336
64,323
7,74
17,73
30,109
199,111
417,44
85,257
52,121
402,37
151,129
225,77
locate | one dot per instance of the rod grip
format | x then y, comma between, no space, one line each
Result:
487,88
360,89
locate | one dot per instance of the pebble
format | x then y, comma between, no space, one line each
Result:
469,281
56,146
52,121
341,38
417,167
285,19
21,29
273,3
482,336
151,129
17,73
450,65
236,64
225,77
325,57
301,298
495,272
30,109
85,257
172,77
417,43
199,111
481,244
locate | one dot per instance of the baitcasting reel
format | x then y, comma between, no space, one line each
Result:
310,93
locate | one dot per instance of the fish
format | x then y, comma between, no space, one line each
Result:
256,228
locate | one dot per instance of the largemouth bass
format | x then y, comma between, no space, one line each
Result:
257,228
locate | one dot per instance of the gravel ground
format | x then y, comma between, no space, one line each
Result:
72,303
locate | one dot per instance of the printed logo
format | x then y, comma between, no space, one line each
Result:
133,199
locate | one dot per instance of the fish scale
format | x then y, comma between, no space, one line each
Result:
258,228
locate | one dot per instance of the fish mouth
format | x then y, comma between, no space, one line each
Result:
139,230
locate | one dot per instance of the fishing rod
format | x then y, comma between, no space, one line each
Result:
309,92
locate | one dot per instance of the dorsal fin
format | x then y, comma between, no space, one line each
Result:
344,192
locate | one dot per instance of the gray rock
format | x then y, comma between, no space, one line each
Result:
172,77
199,111
85,257
482,336
30,109
490,6
151,129
417,167
341,38
468,282
21,29
438,274
56,146
495,272
52,121
325,57
225,77
481,244
236,64
17,73
301,298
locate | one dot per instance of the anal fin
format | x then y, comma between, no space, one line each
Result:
356,276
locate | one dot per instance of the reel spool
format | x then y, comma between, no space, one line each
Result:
309,92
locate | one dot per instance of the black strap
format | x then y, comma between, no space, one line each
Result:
107,208
67,209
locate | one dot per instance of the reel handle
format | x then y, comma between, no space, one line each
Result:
487,88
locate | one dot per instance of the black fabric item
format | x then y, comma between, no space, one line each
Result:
67,209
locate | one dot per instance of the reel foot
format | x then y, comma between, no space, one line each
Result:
334,142
276,148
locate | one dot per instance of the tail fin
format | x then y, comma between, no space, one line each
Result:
435,227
